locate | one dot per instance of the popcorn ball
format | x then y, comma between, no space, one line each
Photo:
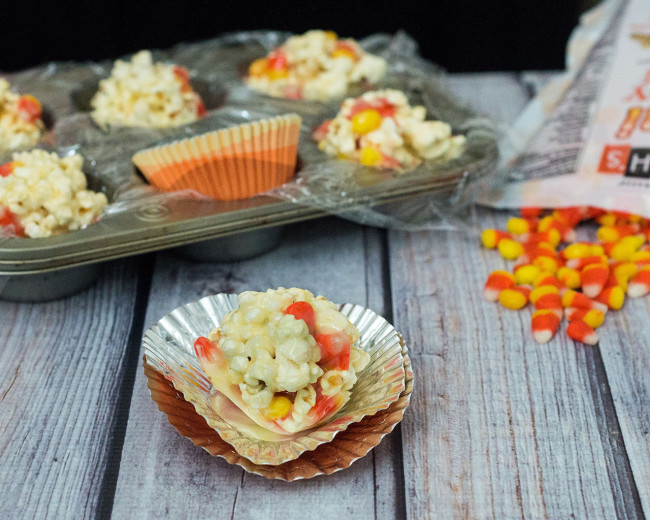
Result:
316,65
284,357
582,281
42,194
20,119
381,129
143,93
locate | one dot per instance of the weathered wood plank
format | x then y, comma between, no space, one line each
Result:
62,364
164,476
501,427
625,350
625,353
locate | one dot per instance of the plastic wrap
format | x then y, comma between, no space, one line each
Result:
438,192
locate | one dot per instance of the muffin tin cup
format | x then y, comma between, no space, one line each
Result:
48,285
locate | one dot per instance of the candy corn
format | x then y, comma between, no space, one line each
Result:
623,272
546,278
531,212
569,216
510,249
593,278
514,298
518,226
550,236
614,233
580,331
544,323
577,250
581,281
526,273
640,284
580,263
497,282
569,277
490,238
547,297
572,298
612,297
593,317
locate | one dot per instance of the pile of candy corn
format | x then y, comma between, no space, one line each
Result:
561,277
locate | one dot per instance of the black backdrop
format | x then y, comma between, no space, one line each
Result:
461,35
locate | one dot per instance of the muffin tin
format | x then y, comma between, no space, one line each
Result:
140,219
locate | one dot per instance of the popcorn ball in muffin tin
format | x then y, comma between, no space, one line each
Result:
42,194
316,65
20,119
381,129
284,357
146,94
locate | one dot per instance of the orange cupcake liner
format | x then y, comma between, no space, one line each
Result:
228,164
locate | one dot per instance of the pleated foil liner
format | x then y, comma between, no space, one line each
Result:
227,164
182,391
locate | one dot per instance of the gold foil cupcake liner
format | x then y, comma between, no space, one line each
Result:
227,164
382,392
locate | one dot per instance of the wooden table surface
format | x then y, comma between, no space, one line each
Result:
498,427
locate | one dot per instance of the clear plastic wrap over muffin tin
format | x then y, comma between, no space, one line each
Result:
140,219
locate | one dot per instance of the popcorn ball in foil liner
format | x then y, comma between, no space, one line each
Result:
376,404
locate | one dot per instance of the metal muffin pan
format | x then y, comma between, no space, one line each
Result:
204,229
50,268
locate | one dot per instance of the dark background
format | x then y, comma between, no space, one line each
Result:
461,35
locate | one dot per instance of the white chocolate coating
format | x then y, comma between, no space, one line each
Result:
143,93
